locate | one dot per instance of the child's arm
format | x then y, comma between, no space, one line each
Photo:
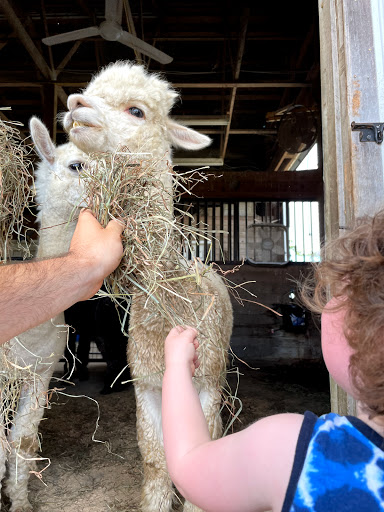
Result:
180,363
247,471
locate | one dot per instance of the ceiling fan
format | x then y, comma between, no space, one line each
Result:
111,30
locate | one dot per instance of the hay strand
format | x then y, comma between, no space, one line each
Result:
16,188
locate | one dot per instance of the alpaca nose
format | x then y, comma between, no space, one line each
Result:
76,101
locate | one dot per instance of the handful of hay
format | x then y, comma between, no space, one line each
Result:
16,186
13,377
130,187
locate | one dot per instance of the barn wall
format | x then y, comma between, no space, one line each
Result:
258,336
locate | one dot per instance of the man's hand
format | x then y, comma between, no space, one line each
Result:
100,249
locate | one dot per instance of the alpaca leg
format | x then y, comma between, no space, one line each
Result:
188,507
23,439
211,402
157,492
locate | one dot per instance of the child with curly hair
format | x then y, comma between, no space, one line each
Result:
294,462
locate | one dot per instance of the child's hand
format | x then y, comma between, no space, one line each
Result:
180,348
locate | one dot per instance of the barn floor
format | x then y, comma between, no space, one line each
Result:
86,476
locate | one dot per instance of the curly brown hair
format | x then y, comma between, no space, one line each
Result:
352,268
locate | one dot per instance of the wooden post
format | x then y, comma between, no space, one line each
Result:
351,61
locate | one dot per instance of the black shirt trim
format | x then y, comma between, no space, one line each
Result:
300,454
367,431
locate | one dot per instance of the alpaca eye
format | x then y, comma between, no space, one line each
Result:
76,166
136,112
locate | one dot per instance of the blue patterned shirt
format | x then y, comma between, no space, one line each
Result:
338,467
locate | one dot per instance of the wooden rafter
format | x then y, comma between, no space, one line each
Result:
240,53
210,85
131,27
68,57
50,54
202,72
25,38
283,160
241,85
62,95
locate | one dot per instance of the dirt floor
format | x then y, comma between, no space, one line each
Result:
87,475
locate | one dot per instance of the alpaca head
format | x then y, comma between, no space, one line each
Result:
124,105
58,187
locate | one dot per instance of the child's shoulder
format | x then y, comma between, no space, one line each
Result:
343,451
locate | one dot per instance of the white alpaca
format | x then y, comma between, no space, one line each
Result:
126,106
58,193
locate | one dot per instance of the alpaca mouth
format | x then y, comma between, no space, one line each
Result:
78,124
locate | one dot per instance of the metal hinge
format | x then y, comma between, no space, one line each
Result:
369,132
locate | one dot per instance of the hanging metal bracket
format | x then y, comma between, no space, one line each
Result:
369,132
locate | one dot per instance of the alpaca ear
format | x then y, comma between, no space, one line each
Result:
43,143
183,137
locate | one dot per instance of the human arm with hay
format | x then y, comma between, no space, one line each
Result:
35,291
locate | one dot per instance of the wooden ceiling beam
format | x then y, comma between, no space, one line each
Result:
240,131
240,52
242,85
206,38
62,95
282,160
202,120
211,85
259,185
197,162
239,97
68,57
11,85
25,38
216,38
46,33
131,28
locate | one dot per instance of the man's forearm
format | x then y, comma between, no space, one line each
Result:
33,292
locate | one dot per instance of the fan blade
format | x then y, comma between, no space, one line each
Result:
143,47
114,10
71,36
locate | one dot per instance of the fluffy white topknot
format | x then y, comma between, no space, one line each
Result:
124,81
